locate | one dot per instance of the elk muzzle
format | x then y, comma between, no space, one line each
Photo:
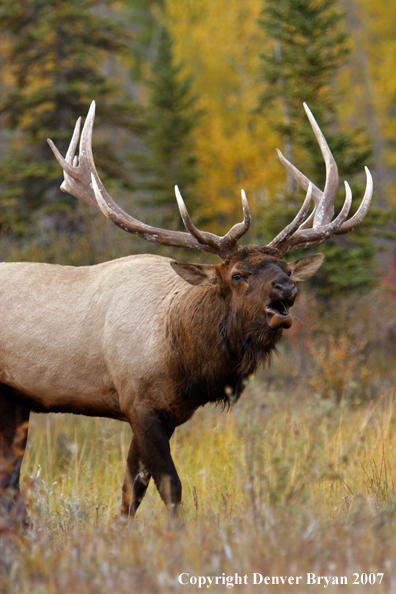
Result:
281,298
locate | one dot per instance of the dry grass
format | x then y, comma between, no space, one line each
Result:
284,484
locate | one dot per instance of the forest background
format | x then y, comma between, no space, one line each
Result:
201,93
189,93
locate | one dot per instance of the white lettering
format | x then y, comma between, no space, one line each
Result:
311,578
324,580
256,577
180,578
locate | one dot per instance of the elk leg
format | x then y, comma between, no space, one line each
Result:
136,481
14,419
152,439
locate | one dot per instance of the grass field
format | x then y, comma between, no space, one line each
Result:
298,478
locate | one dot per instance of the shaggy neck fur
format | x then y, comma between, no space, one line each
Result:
212,348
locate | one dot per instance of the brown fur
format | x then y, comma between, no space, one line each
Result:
214,345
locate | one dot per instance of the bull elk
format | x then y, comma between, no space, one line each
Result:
145,339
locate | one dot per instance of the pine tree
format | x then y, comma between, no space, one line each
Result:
55,67
146,27
169,119
309,45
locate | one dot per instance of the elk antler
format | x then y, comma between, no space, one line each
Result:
319,226
83,182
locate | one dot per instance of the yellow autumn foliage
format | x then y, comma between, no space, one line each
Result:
219,44
378,26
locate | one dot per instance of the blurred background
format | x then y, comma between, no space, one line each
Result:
199,94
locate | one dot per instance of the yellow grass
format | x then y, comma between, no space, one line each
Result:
272,487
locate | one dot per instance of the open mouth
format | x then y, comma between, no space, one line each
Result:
278,313
280,307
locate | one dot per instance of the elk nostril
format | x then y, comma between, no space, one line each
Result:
284,290
287,286
278,286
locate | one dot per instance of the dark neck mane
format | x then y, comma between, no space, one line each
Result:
213,349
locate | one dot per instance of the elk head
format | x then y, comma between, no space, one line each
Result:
257,273
257,276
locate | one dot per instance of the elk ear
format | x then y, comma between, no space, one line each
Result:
305,267
196,274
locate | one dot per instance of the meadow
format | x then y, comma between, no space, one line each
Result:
297,478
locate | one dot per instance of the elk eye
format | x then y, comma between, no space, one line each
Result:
288,273
236,277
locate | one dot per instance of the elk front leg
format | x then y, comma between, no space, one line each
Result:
137,479
14,419
150,455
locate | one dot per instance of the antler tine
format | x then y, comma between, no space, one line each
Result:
239,229
247,217
363,208
346,207
300,178
71,157
324,201
86,137
304,182
201,236
66,163
288,231
325,210
73,143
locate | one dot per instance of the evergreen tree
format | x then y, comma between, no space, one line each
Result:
169,119
146,26
55,67
308,47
